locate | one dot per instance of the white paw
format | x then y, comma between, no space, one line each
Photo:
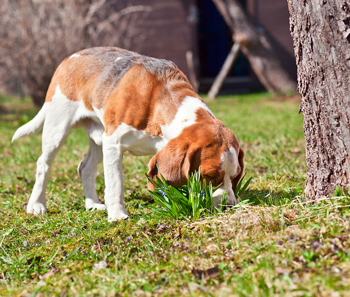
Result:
118,217
95,206
231,200
36,209
117,214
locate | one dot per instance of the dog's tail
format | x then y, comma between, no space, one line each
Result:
33,126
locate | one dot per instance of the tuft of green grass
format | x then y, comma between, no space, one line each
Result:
193,200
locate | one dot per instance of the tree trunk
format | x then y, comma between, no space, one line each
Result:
256,47
321,35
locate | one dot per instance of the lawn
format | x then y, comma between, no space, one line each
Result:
274,243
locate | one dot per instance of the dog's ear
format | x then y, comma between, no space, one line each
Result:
152,171
236,180
174,162
192,160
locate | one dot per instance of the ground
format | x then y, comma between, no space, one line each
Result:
275,243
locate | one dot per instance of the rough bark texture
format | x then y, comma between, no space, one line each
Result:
321,35
256,47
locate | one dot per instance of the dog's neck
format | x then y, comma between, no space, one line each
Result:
188,113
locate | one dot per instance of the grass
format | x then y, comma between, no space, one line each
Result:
274,244
191,201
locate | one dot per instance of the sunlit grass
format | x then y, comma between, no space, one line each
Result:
273,243
190,201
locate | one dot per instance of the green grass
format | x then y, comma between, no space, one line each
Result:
191,201
274,244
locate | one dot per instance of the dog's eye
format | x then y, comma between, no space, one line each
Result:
211,174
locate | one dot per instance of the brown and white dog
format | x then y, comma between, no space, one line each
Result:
129,102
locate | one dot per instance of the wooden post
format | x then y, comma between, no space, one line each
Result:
257,47
192,70
229,62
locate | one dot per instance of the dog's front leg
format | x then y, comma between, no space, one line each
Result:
113,171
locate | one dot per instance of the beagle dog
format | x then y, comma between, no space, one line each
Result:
129,102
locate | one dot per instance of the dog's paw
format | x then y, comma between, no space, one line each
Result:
116,215
36,209
95,206
231,201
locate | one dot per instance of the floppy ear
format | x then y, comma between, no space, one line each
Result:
175,161
170,161
236,180
152,171
192,160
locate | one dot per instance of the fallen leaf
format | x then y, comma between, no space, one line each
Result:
177,233
139,292
290,215
212,248
281,270
100,265
206,274
22,178
162,227
54,232
194,286
279,242
48,274
295,150
32,260
262,169
316,245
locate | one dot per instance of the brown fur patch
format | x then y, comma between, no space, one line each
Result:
145,101
76,79
134,102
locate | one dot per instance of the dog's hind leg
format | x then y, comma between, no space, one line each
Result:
52,140
87,170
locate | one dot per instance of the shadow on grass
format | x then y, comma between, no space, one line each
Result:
267,197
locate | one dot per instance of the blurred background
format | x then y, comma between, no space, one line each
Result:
36,35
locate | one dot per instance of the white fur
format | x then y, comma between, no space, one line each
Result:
87,170
125,138
138,142
229,165
113,170
57,118
74,56
35,125
184,117
99,114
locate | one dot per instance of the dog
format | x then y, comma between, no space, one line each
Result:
129,102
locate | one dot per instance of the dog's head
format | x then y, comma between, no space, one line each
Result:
212,147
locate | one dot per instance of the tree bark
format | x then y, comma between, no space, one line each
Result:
321,35
256,47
